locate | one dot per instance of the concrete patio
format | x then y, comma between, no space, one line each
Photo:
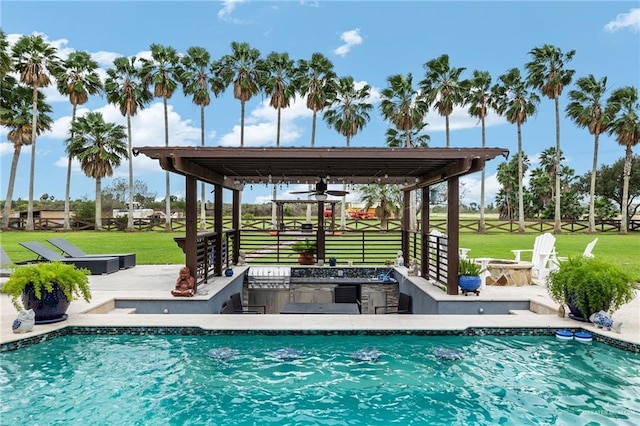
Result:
154,282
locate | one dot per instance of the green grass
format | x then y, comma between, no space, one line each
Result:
160,248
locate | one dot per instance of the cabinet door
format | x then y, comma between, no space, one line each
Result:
376,298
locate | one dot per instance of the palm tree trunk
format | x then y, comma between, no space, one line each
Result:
167,180
625,191
67,222
12,179
98,204
241,124
557,227
520,189
130,209
446,122
313,129
482,228
592,187
32,171
203,212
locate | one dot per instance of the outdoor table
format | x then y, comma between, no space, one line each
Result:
321,308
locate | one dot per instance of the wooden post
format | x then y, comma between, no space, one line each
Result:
424,233
217,227
453,218
190,249
236,220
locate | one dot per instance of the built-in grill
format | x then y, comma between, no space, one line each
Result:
269,277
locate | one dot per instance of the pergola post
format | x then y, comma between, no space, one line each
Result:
190,249
236,220
217,227
320,236
453,218
424,233
406,222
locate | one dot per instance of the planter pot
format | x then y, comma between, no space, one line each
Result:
306,259
52,307
576,314
469,284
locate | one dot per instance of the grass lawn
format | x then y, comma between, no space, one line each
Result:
160,248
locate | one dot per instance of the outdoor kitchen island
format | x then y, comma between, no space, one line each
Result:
325,285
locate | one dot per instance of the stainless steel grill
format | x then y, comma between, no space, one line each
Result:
269,277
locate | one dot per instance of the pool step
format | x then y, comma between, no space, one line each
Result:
521,312
122,311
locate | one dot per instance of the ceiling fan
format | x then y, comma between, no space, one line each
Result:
321,191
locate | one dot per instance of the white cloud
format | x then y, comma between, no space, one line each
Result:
228,7
472,184
6,149
260,127
351,38
630,20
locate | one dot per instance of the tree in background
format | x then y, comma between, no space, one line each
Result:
16,115
199,80
516,104
162,72
479,96
99,146
348,113
317,81
35,60
279,83
124,88
243,68
547,73
586,109
441,88
507,175
386,197
402,105
77,79
625,110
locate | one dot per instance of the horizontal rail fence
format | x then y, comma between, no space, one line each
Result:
358,247
465,225
438,259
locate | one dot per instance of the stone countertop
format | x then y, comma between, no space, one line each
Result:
339,280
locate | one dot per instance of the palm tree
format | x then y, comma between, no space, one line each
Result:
6,66
163,73
78,79
15,114
99,146
36,61
403,107
547,74
198,80
124,89
479,96
316,81
243,67
386,197
279,76
586,110
348,113
441,88
396,139
625,110
516,104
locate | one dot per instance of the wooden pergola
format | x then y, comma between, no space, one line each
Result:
411,168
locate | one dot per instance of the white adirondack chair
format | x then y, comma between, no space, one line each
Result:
542,254
587,253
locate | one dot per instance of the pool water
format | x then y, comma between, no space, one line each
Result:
246,380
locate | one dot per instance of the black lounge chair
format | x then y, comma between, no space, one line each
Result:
127,260
404,306
96,265
236,303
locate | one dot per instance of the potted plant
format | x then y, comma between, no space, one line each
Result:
469,276
588,286
306,250
47,288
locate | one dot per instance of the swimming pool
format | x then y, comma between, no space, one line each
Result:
169,379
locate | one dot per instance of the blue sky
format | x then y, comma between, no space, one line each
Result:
368,40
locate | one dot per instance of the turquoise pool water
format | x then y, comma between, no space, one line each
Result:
421,380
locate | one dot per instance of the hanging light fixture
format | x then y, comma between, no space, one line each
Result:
321,197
